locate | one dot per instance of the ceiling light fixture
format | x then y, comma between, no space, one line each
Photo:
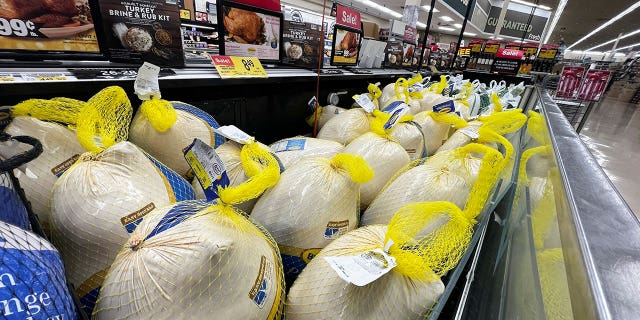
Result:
614,40
630,46
446,18
608,23
427,8
446,29
530,4
556,18
380,8
457,25
471,34
421,25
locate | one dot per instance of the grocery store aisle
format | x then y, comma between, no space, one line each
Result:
612,133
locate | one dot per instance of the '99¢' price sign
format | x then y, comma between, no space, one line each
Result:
18,28
238,67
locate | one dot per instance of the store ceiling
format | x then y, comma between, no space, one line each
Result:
578,19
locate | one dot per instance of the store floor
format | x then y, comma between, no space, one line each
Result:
612,133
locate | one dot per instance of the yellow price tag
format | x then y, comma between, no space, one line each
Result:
58,78
185,14
238,67
7,79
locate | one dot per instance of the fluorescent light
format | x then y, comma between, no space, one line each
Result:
614,40
630,46
530,4
446,29
556,18
380,8
427,8
608,23
457,25
499,38
446,18
471,34
421,25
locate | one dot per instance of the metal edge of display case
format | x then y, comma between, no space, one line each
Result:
601,235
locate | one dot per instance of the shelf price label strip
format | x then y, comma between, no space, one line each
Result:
238,67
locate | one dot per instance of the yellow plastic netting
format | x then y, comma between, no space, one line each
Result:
426,257
160,113
63,110
439,86
105,119
497,105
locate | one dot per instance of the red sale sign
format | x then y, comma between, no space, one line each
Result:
273,5
509,54
347,17
221,61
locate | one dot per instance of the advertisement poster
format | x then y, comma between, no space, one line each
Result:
594,85
60,25
476,45
492,46
409,58
142,30
345,47
570,81
531,48
252,34
301,43
548,51
507,61
513,45
393,54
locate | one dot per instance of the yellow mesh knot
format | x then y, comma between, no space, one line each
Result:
440,86
536,128
374,91
376,125
263,172
448,118
105,119
488,174
505,122
465,93
160,113
311,120
497,105
400,83
426,257
357,168
406,118
63,110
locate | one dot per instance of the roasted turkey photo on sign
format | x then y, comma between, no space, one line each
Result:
244,26
347,41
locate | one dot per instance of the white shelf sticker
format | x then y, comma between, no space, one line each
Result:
364,268
233,133
365,102
146,84
44,76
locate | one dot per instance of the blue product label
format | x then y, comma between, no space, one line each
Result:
219,140
396,113
392,106
445,107
179,213
207,167
289,145
181,188
293,266
33,285
447,91
313,102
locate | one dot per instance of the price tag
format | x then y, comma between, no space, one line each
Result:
233,133
207,167
364,268
364,101
238,67
146,84
470,132
396,109
18,28
7,77
185,14
47,76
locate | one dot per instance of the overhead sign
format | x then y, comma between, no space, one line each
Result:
516,24
509,54
476,45
507,61
460,6
464,51
347,17
548,51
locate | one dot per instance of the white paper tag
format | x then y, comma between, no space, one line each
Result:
146,84
364,268
470,132
365,102
289,145
233,133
